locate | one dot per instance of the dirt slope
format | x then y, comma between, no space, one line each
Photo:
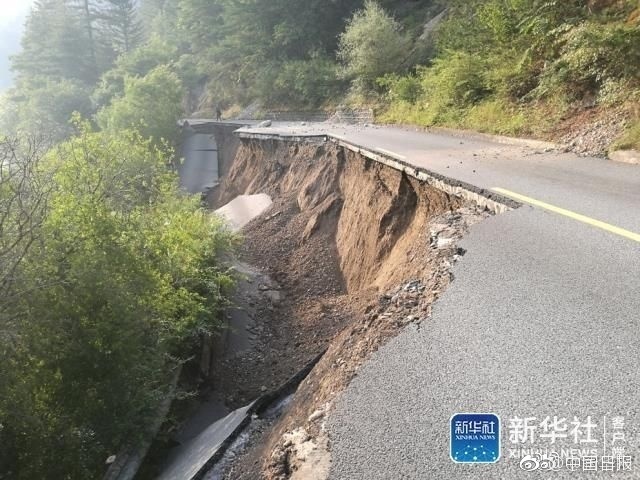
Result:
359,251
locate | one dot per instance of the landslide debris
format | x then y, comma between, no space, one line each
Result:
359,250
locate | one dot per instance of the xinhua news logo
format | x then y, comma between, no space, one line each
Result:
475,438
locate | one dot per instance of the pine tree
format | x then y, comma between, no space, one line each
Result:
159,19
55,44
87,13
200,22
120,26
150,9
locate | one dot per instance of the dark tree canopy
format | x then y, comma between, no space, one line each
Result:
55,43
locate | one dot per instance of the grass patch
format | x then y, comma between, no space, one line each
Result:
496,116
631,138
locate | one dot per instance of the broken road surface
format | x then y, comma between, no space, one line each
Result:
541,321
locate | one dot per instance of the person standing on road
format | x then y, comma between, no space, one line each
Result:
218,114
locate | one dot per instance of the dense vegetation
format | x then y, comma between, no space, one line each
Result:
484,64
108,273
520,66
109,276
107,60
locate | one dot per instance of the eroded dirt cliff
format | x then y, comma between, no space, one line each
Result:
358,250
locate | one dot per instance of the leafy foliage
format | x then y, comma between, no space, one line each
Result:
156,52
45,104
55,44
151,104
592,54
200,22
404,89
67,46
306,83
125,276
630,139
497,59
372,45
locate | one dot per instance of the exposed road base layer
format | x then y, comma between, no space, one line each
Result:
494,202
361,247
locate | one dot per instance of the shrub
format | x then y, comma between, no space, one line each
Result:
372,45
592,54
305,83
151,104
405,89
137,63
44,104
452,84
496,116
122,282
630,139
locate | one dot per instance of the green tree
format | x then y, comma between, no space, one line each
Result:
306,83
200,23
24,196
120,26
87,12
260,38
372,45
155,52
150,10
160,18
55,44
44,105
152,104
123,282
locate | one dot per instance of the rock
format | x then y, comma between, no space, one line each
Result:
316,415
265,124
271,217
384,299
274,296
444,242
412,286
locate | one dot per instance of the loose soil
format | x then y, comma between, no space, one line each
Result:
356,251
591,130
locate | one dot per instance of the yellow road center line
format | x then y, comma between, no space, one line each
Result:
568,213
393,154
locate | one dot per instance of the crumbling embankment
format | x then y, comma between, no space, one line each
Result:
371,214
359,250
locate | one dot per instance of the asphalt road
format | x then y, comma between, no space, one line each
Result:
542,320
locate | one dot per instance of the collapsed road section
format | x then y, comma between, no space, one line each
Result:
357,246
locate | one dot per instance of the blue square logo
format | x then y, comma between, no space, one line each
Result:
475,438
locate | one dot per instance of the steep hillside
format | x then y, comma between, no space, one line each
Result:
566,71
560,70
